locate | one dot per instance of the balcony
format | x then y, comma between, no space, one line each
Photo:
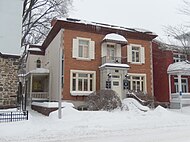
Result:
112,59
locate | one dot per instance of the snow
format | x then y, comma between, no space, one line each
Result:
52,104
39,70
34,49
153,125
115,37
177,67
106,25
115,65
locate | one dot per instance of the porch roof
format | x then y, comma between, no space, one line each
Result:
41,71
182,68
114,65
116,38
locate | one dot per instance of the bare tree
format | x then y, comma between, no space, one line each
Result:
180,35
37,15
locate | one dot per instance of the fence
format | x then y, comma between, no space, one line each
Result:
11,116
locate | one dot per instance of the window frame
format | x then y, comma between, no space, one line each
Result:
182,84
142,82
178,58
89,79
141,52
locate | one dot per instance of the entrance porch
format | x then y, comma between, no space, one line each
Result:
179,74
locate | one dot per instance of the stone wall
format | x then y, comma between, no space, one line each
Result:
8,80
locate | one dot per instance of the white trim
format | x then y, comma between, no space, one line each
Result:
141,75
82,93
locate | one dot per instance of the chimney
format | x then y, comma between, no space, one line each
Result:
53,21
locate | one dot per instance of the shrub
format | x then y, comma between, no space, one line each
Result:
103,100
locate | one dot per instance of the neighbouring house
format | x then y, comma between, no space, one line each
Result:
8,80
171,74
81,57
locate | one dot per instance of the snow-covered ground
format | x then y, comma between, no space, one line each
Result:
139,124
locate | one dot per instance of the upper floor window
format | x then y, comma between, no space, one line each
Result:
179,57
135,54
83,48
38,63
110,52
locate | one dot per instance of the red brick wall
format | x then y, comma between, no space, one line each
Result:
161,60
93,65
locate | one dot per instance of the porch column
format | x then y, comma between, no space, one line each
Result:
179,83
31,79
170,92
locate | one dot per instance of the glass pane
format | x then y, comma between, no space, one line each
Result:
85,48
91,88
83,75
79,84
133,56
74,85
134,86
83,42
80,51
85,85
138,86
137,56
74,74
91,75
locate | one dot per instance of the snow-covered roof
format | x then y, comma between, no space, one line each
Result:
179,68
114,65
115,38
39,70
107,25
34,49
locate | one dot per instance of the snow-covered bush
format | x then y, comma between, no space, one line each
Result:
103,100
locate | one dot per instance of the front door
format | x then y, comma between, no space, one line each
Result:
116,85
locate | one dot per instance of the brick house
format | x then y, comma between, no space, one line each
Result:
169,73
85,55
8,80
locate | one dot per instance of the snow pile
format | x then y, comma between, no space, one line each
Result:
40,70
133,105
114,65
97,126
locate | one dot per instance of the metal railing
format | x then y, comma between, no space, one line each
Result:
12,116
40,95
112,59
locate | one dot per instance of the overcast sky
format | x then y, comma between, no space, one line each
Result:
148,14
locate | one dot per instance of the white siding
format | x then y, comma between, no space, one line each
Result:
75,48
52,52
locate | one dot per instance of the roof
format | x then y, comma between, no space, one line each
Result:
38,71
93,27
6,55
116,38
182,68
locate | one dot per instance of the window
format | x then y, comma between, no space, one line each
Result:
137,83
135,54
110,52
82,81
184,85
179,57
83,48
38,63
